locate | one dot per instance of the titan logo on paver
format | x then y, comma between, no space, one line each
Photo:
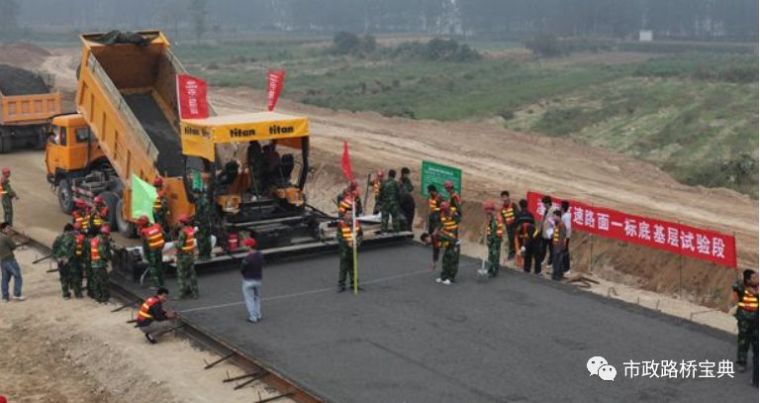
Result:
662,369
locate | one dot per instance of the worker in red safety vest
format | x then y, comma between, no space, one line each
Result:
100,255
509,212
746,298
99,214
7,195
154,240
152,318
186,247
161,205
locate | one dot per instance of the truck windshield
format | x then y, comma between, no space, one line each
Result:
83,134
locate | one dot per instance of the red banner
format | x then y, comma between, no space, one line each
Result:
191,97
346,163
276,79
673,237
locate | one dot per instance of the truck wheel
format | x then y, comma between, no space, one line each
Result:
6,143
125,227
112,201
41,140
65,196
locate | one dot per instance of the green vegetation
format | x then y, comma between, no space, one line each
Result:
693,113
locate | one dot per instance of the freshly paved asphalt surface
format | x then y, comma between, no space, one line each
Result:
516,338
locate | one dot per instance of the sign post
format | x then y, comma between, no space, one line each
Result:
436,174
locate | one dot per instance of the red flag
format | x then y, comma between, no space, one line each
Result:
276,80
191,97
347,163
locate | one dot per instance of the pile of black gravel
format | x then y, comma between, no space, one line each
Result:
161,132
16,81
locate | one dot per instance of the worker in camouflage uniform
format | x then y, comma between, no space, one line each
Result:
203,220
63,253
376,184
153,244
347,196
186,246
746,298
346,249
7,195
100,255
390,196
508,214
99,214
161,205
407,198
494,235
79,260
448,235
454,199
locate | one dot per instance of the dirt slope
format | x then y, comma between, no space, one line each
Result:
494,158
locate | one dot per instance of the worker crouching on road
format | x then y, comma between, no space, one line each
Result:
494,235
745,296
153,245
186,247
448,235
6,196
100,255
346,249
153,319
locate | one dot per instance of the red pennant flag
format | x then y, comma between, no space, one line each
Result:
347,163
276,80
191,97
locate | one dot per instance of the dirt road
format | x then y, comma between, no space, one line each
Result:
57,350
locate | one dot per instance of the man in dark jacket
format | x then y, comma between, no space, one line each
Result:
153,319
251,268
407,198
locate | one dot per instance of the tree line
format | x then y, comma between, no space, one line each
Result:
496,18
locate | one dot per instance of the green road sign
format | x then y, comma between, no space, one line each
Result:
436,174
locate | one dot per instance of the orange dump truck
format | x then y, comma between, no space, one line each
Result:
127,125
26,106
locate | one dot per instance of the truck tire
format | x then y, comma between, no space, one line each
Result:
111,200
41,140
125,227
6,143
65,196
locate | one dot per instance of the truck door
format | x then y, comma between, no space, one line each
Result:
56,149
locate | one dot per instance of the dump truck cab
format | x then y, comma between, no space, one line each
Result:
71,152
70,147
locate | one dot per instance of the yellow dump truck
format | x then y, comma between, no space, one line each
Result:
26,106
127,124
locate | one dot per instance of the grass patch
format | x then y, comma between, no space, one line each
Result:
692,110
